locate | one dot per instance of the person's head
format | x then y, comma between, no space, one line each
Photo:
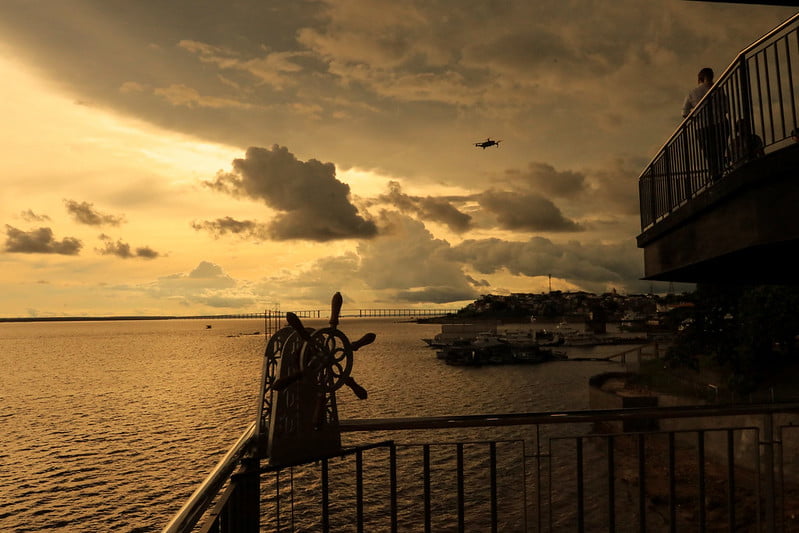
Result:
705,75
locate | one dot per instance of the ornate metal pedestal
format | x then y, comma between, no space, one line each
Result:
303,369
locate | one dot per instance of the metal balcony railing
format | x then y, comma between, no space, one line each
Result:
659,469
749,112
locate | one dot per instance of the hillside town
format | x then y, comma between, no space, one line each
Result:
636,311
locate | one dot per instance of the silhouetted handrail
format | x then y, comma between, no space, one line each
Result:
202,497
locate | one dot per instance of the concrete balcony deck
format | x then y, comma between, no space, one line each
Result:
743,228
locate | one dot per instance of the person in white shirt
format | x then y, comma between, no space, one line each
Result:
712,121
705,80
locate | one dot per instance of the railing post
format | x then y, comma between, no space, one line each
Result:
767,457
687,181
746,97
670,200
248,497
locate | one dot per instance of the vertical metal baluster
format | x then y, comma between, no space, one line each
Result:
277,500
746,96
549,483
653,196
700,457
734,158
427,511
731,478
537,476
325,499
359,490
291,492
696,158
781,477
669,178
580,488
758,477
461,515
493,467
790,81
768,91
779,86
393,481
524,488
686,154
768,463
760,97
611,486
643,190
641,483
672,486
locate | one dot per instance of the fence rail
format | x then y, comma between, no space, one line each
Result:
749,112
733,466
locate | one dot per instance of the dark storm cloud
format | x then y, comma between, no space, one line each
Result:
29,216
478,283
313,204
85,213
608,190
408,260
525,211
379,72
544,178
430,208
594,264
436,295
123,250
39,241
246,229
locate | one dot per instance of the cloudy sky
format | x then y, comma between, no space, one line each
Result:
196,157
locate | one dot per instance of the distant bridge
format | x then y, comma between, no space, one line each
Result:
405,312
317,313
274,315
308,313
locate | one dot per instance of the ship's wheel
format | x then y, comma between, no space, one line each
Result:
327,354
303,369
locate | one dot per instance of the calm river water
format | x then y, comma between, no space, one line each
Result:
109,426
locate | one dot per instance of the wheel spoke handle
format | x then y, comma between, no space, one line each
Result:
295,322
367,339
335,310
359,391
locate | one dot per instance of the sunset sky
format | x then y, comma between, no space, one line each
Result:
195,157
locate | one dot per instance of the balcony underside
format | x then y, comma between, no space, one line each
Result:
743,229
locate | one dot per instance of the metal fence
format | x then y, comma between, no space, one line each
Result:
708,468
750,111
